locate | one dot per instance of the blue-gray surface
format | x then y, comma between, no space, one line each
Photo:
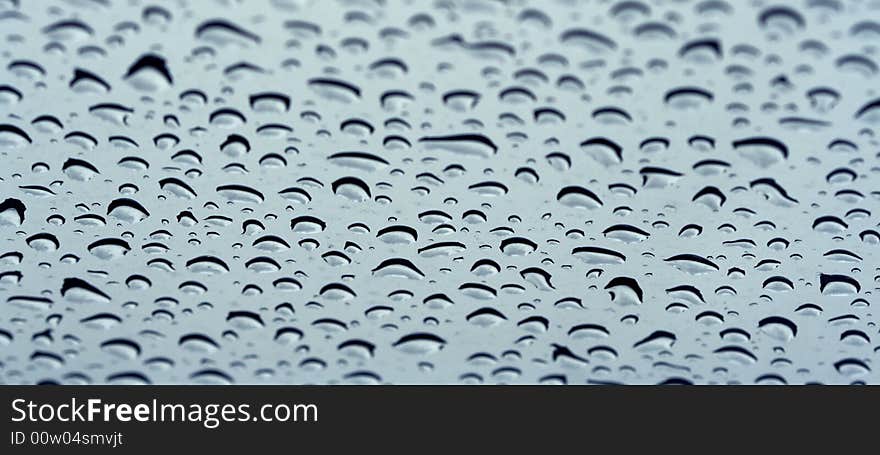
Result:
476,191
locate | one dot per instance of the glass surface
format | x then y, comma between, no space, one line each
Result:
297,191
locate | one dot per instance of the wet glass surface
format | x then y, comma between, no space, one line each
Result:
476,191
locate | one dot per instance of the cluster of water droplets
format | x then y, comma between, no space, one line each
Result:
453,191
